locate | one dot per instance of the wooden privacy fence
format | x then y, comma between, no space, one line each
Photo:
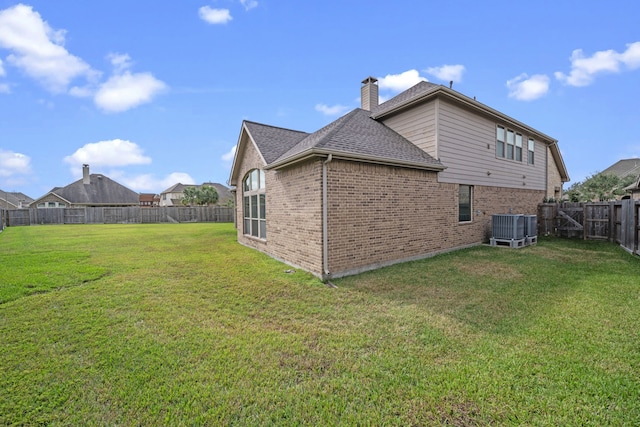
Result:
617,222
118,215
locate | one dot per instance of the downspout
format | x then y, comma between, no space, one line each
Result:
325,212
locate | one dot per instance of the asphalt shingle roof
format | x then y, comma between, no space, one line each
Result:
273,141
405,97
101,191
358,135
623,168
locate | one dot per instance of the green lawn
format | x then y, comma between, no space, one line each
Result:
179,325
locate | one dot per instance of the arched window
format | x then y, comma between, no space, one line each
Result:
254,212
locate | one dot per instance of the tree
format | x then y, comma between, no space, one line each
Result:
205,195
208,195
190,196
599,187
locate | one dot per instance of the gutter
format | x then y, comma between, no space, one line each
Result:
325,211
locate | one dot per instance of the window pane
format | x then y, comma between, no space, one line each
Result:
510,137
254,227
247,180
254,206
518,140
246,207
464,206
500,133
247,226
263,229
509,151
263,210
254,179
500,149
518,153
261,179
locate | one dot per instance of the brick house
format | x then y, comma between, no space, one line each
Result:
417,175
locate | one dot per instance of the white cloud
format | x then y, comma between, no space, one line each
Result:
227,157
447,72
121,62
584,69
125,91
400,82
336,110
38,50
214,16
12,163
249,4
525,88
2,72
115,152
149,182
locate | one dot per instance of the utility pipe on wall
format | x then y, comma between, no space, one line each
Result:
325,210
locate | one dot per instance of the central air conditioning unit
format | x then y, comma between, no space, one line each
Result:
508,226
514,230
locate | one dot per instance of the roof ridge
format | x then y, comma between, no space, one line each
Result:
274,127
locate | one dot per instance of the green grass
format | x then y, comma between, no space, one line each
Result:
180,325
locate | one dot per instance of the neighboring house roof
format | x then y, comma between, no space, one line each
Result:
624,168
357,136
100,191
14,198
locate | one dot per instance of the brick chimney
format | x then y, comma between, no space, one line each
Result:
85,175
369,93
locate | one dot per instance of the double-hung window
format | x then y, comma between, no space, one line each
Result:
518,147
530,147
510,143
500,140
254,207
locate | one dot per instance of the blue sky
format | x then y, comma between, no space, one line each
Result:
153,93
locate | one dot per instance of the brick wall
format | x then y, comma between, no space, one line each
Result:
293,211
294,215
554,181
379,215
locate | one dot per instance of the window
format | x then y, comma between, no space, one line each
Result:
500,141
530,151
465,195
518,147
510,144
254,209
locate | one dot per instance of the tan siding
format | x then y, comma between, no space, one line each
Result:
418,125
467,147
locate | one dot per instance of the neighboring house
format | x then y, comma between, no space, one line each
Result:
415,176
624,168
14,200
634,189
91,190
149,200
172,196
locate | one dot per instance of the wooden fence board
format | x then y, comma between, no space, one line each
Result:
617,221
116,215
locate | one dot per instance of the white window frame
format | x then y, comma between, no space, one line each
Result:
254,204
